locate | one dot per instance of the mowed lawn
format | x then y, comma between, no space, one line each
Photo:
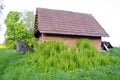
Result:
15,66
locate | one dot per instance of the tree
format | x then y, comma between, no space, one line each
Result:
15,30
28,19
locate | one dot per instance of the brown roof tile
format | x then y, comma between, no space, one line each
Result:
70,23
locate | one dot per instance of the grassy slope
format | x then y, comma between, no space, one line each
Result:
5,59
24,67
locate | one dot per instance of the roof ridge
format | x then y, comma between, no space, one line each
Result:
63,11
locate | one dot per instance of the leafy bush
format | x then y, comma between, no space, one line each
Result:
16,30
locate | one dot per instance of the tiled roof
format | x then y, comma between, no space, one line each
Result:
68,23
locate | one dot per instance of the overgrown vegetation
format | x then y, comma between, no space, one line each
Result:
17,28
57,55
55,61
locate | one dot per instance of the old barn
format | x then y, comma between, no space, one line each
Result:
67,26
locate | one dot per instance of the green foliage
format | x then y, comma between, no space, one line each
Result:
12,17
28,19
16,30
55,61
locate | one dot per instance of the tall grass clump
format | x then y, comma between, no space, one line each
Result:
54,54
89,56
86,48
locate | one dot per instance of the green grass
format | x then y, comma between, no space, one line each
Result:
55,61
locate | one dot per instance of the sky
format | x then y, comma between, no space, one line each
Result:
106,12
